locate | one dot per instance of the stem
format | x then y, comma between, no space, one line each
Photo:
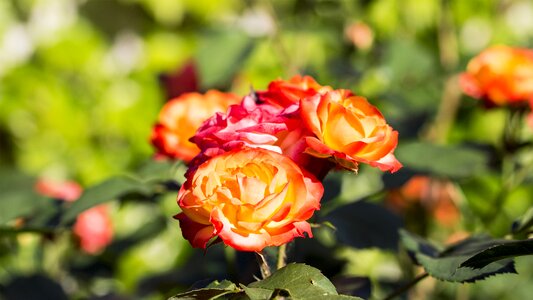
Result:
263,265
451,94
282,256
287,61
406,287
449,56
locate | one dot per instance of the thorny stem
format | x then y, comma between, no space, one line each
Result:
282,256
406,287
263,265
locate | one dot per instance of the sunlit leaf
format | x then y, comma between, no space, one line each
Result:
300,281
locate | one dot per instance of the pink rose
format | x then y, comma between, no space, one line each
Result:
255,125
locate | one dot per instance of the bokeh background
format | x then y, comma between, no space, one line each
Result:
82,82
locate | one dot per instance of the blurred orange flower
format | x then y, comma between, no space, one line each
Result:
250,199
287,92
93,227
500,75
181,117
350,130
435,196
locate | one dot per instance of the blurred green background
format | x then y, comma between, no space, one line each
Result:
80,88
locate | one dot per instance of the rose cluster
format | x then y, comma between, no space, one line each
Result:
254,180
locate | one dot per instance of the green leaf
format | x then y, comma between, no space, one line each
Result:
301,282
525,223
439,160
18,198
22,203
499,252
415,244
257,293
203,294
352,222
106,191
448,264
224,284
162,170
220,55
214,290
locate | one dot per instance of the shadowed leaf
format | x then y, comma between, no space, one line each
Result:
448,264
499,252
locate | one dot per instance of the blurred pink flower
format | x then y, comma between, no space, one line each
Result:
360,34
93,227
62,190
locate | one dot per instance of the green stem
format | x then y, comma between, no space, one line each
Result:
406,287
263,265
282,256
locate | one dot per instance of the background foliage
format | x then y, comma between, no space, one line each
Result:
81,86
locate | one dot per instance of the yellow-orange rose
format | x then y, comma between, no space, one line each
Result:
349,130
249,198
500,75
181,117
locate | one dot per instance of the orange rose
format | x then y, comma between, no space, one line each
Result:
285,93
349,130
249,198
500,75
181,117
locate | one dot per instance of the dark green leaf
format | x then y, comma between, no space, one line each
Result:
34,286
449,268
448,264
220,55
354,286
447,161
21,203
301,282
18,198
525,223
104,192
415,244
499,252
214,290
364,225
